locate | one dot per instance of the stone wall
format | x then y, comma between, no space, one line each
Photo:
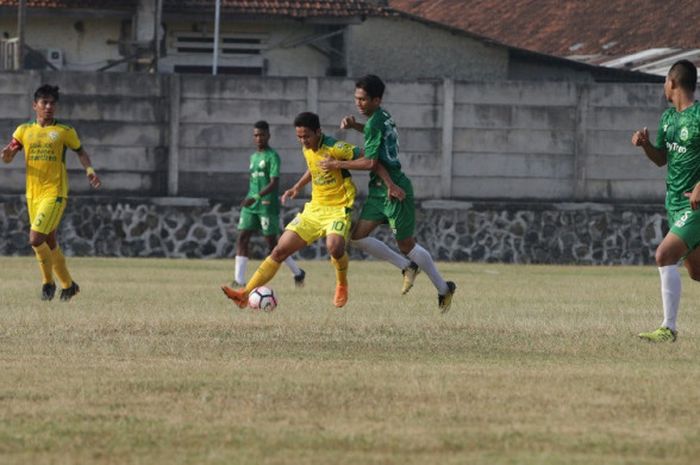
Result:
558,233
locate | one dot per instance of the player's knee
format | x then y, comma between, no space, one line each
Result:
336,249
406,245
36,241
694,274
279,254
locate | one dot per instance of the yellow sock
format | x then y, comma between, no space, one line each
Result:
265,272
43,256
341,269
60,269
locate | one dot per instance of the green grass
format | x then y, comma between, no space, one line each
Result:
151,364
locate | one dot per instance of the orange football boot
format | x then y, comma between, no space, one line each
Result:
239,297
341,295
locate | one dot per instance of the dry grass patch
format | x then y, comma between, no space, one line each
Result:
533,365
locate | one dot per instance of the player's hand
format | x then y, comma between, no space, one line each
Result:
247,202
328,163
395,192
94,181
694,197
640,138
348,122
10,150
290,194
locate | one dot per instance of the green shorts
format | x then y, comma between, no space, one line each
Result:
401,216
686,225
266,221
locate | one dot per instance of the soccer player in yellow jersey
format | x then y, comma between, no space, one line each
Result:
44,142
326,215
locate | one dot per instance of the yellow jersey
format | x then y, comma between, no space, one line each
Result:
332,188
45,156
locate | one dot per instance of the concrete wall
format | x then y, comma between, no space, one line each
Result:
191,135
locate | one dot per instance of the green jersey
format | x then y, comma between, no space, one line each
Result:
382,144
264,166
679,135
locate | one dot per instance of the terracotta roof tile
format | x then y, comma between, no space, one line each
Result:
564,28
286,8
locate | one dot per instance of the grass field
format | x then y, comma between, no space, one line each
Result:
151,364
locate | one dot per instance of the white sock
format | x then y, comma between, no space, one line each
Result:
425,262
670,294
292,265
378,249
241,265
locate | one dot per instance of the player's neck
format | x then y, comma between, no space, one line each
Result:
43,122
683,101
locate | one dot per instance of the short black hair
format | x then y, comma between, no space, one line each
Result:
371,84
47,90
685,74
307,120
262,125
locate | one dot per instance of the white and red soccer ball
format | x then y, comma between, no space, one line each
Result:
262,298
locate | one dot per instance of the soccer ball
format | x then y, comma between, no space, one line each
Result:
262,298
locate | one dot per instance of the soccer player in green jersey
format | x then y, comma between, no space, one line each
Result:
260,209
678,147
389,201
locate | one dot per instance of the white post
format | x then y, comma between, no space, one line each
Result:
448,107
174,146
217,19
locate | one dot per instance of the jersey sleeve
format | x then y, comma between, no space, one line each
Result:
344,151
373,140
275,165
661,134
71,140
18,135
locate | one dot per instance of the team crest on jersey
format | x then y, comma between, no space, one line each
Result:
53,136
684,134
261,165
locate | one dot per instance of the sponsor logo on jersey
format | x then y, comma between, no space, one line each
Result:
675,147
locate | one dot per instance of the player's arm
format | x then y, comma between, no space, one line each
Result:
641,139
360,163
274,182
292,192
84,158
349,122
394,190
10,150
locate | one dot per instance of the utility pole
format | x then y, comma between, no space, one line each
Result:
21,26
217,20
158,19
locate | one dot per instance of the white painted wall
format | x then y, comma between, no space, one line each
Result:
84,50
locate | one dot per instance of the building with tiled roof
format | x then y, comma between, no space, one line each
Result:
277,37
646,36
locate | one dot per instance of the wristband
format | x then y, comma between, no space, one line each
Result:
90,171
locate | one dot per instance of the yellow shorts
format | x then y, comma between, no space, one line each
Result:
315,222
45,213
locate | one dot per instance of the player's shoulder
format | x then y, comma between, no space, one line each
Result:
26,125
64,125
